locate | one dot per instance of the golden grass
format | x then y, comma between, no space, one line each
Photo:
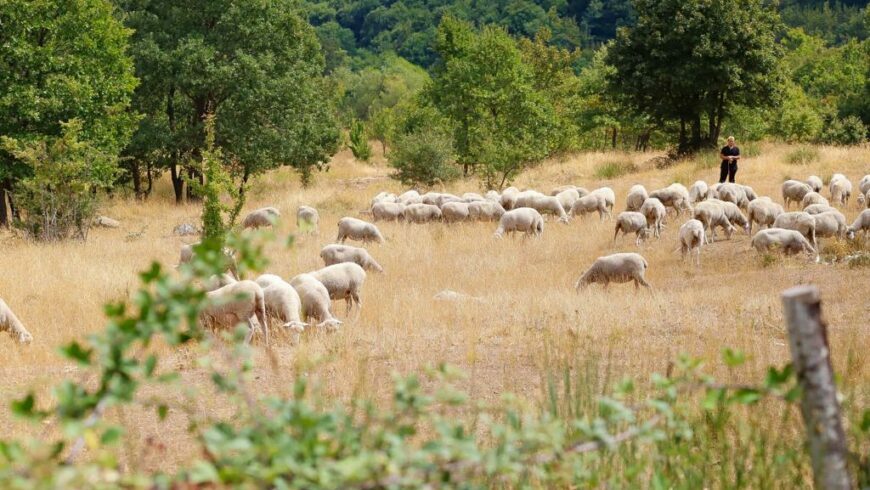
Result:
529,320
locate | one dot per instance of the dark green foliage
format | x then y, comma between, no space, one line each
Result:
847,131
359,141
424,158
802,155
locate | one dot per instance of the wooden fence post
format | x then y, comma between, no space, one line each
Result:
810,354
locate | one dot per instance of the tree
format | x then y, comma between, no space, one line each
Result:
481,84
257,66
690,61
61,60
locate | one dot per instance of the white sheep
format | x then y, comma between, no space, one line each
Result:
562,188
453,212
635,198
861,223
617,268
734,215
315,301
830,224
655,213
712,214
307,219
713,191
10,323
282,302
336,254
737,194
567,198
509,198
261,217
106,222
422,213
864,184
815,183
763,212
794,190
524,220
493,196
841,190
343,281
699,191
590,203
789,241
383,196
798,221
239,302
471,197
631,222
818,208
609,198
674,198
409,197
485,211
546,205
357,229
692,238
861,201
813,198
388,211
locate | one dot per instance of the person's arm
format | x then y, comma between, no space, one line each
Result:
737,156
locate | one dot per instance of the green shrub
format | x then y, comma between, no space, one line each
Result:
614,168
802,155
424,157
707,160
359,141
848,131
750,149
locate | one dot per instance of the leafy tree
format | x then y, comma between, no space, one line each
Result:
257,66
383,84
690,61
61,60
359,141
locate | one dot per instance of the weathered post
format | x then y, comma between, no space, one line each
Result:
810,354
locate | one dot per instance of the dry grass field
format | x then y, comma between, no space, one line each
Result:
528,320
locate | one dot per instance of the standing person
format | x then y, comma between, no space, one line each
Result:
729,155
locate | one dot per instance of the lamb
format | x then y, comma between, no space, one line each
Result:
609,198
692,238
388,211
818,208
485,211
712,214
813,198
790,241
655,213
864,184
861,223
567,198
763,212
798,221
343,281
261,217
422,213
698,192
841,190
307,219
10,323
590,203
672,198
283,303
357,229
548,205
618,268
830,224
815,183
239,302
631,221
525,220
336,254
794,190
453,212
635,198
315,301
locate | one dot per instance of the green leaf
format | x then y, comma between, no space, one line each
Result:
111,435
162,411
25,406
733,358
713,398
864,425
150,365
746,396
76,352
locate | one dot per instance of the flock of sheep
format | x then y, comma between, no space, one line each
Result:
307,297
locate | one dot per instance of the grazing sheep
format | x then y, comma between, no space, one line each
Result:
422,213
485,211
813,198
218,281
655,213
713,192
524,220
383,196
590,203
631,222
453,212
862,200
357,229
336,254
734,215
567,198
315,301
841,191
472,196
493,196
815,183
864,184
737,194
818,208
692,238
790,241
10,323
794,190
437,198
699,191
618,268
283,303
509,198
830,224
609,198
712,214
545,205
307,219
106,222
672,198
524,198
568,187
388,211
186,254
861,223
763,212
261,217
343,281
239,302
409,197
635,198
798,221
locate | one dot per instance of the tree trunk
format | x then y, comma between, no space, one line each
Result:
193,174
4,216
720,114
177,183
137,180
683,145
12,209
697,137
150,177
613,138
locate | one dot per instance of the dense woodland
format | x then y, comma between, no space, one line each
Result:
448,88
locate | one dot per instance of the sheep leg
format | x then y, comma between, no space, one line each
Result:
250,334
639,278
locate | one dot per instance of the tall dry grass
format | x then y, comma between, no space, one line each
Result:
528,322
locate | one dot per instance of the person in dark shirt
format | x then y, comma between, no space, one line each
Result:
729,155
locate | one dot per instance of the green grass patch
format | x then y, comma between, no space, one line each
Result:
751,149
614,168
707,160
802,155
